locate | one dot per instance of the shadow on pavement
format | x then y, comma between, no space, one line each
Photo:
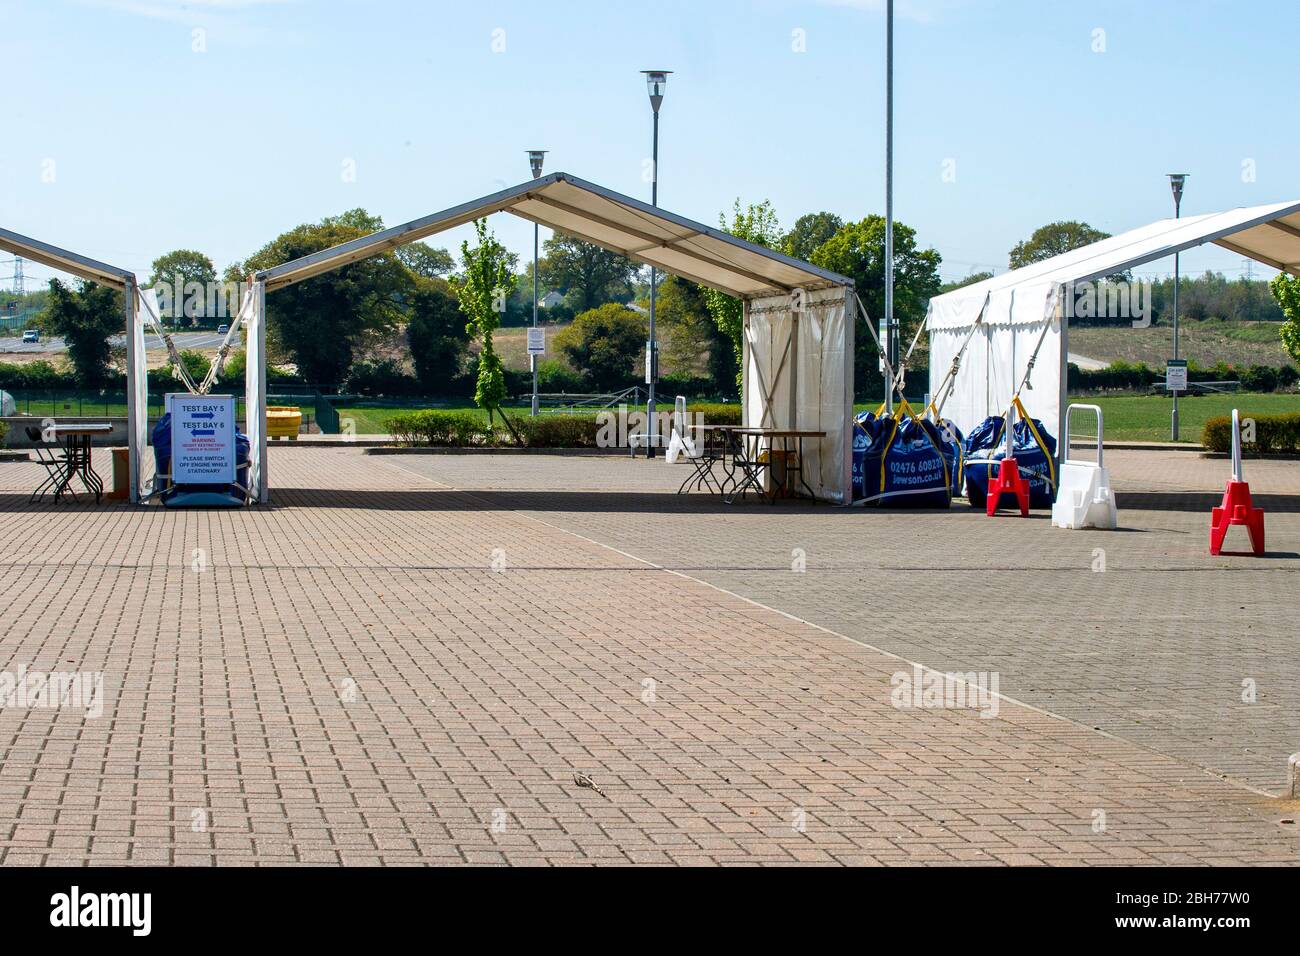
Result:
1199,501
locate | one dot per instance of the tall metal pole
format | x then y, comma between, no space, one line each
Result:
891,335
536,157
533,358
1176,182
1177,280
650,350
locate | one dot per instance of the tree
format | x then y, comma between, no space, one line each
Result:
603,345
694,342
180,275
588,273
321,323
809,233
483,291
437,335
757,223
86,317
858,251
1286,289
1054,239
426,261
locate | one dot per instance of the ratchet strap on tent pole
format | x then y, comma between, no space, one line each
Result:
949,383
1024,415
178,366
1029,369
1037,436
219,363
900,381
884,356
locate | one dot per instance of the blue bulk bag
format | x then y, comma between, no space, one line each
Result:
1035,452
902,461
162,460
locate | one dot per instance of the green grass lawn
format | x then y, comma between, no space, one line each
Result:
1147,417
372,420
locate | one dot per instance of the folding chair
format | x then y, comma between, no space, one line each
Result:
58,479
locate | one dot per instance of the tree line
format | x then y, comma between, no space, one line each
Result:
356,326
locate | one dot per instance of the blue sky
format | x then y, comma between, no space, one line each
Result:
153,145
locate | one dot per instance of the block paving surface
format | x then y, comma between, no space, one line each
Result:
408,659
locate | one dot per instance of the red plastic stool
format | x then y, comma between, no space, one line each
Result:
1237,509
1008,482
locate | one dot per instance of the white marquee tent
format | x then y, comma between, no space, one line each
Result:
798,345
121,279
1001,322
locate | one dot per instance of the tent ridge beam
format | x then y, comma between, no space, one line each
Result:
627,252
656,242
1286,227
81,266
1250,254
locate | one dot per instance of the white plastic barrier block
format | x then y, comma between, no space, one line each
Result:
1084,498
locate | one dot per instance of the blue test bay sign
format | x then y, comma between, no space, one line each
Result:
203,439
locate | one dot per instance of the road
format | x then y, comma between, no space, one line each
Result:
1087,364
53,343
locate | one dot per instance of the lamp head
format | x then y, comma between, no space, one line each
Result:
1176,182
656,82
535,157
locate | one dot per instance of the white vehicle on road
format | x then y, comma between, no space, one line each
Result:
31,335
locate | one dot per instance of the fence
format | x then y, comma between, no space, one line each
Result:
64,403
56,403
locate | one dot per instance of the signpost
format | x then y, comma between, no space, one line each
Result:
536,341
1176,375
203,439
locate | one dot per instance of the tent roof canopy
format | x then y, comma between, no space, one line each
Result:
1268,234
63,260
620,223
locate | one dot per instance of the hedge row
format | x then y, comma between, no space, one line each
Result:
446,429
1272,433
1126,376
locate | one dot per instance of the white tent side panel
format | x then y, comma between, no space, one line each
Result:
255,395
797,376
140,455
1007,330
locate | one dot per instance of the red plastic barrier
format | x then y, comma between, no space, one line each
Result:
1237,509
1008,482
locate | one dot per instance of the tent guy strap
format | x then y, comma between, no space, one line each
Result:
600,216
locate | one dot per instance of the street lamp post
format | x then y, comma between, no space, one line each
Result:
656,83
890,345
1176,183
535,158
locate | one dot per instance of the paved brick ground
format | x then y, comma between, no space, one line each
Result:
345,678
1155,649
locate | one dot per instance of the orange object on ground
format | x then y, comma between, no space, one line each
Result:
1008,482
283,421
121,473
1237,509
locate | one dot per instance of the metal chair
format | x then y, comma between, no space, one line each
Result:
55,461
